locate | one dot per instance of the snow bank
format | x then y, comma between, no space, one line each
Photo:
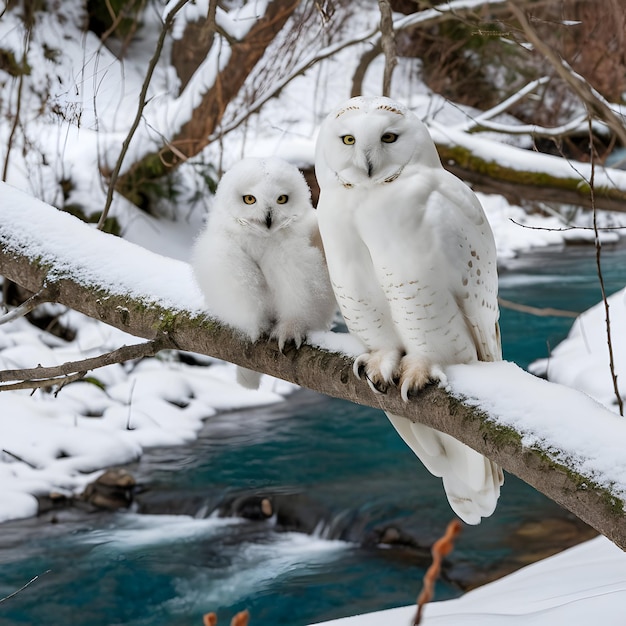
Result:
582,360
583,585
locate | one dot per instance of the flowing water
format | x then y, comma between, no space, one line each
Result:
338,476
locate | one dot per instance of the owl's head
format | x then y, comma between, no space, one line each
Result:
368,141
263,196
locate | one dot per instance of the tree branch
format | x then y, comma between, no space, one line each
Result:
42,377
590,97
533,310
113,180
545,467
510,173
45,294
388,44
198,131
598,246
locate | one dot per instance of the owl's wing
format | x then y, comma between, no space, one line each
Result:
469,250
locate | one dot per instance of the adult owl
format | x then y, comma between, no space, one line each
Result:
412,261
255,262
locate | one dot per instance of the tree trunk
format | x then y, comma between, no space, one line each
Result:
194,134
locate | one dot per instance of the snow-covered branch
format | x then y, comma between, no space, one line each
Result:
554,438
501,168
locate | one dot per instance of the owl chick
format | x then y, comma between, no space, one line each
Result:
412,262
254,260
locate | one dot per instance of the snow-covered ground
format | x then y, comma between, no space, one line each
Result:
579,586
58,444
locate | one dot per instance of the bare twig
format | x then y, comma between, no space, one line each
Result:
18,104
30,582
592,99
41,377
388,44
441,548
564,228
167,23
532,310
598,245
19,458
428,17
45,294
61,381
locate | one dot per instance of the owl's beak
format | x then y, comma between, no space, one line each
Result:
268,220
370,166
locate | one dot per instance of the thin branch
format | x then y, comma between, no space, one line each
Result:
592,99
595,228
143,101
61,381
532,310
41,377
598,245
45,294
528,129
506,104
388,44
30,582
441,549
19,458
428,17
18,104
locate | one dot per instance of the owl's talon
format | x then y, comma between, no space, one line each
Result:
358,367
378,388
405,389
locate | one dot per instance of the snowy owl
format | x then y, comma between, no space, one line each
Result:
254,260
412,261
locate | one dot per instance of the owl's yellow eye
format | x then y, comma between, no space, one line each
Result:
389,137
282,199
248,199
349,140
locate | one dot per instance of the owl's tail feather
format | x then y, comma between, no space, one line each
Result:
471,481
248,378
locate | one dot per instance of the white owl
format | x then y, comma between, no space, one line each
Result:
412,261
255,262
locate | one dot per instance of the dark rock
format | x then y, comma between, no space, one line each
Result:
112,490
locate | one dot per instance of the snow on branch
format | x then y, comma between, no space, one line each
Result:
555,438
501,168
